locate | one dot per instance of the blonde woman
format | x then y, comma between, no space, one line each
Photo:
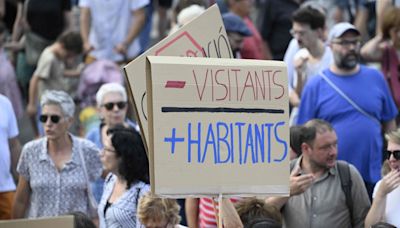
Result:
386,202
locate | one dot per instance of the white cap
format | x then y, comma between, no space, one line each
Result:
339,29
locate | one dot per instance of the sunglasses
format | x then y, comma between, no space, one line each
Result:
110,106
54,118
396,154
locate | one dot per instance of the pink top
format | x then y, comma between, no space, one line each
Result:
253,47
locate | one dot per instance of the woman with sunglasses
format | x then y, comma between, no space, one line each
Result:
124,155
386,203
52,176
111,101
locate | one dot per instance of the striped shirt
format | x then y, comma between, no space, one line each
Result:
122,212
207,218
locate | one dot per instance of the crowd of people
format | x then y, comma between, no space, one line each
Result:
60,67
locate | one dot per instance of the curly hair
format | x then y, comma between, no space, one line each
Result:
133,164
153,208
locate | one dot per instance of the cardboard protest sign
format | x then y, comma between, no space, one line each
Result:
59,222
218,126
205,36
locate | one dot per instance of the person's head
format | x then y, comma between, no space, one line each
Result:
308,26
391,25
81,220
236,30
240,7
124,155
345,41
393,149
295,141
155,212
111,101
71,43
319,145
57,113
182,4
255,212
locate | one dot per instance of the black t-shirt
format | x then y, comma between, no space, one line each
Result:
276,25
46,17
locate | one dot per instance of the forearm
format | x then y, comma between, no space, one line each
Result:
138,23
376,212
15,150
33,90
21,199
18,25
370,51
294,98
278,202
192,211
230,218
85,24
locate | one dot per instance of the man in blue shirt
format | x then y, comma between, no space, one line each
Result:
358,125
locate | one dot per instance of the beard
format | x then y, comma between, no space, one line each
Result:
348,61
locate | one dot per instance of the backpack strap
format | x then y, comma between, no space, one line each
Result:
346,183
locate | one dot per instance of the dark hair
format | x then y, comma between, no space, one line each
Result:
383,225
133,164
310,16
310,129
81,220
71,41
255,212
296,139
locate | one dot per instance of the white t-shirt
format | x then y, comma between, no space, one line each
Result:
8,129
110,23
392,210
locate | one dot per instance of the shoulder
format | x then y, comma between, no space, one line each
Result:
86,145
367,70
140,187
31,148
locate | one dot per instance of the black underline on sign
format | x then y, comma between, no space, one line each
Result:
227,110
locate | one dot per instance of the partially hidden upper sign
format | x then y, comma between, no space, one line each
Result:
218,126
66,221
205,36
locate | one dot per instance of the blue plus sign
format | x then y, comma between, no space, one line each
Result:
173,139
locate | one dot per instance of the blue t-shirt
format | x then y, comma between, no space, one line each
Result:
359,137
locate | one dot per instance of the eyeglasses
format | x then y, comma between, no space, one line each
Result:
108,150
396,154
299,33
110,106
348,43
54,118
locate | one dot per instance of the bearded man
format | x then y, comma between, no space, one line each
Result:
356,100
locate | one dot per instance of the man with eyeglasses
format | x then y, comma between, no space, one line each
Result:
356,100
317,198
309,31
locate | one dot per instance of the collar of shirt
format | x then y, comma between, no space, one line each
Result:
44,156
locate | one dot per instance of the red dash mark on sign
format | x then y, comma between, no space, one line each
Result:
175,84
